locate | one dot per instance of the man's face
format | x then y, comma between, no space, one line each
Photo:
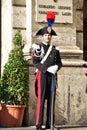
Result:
47,38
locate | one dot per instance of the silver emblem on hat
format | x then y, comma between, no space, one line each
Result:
49,29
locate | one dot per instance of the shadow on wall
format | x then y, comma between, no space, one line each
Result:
83,120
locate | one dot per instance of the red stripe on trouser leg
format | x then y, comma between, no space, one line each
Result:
38,98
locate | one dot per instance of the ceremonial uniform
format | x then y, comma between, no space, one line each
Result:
43,81
46,59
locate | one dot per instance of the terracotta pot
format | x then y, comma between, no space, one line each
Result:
11,115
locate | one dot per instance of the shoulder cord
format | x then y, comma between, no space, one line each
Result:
46,55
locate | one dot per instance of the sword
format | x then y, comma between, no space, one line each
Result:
52,102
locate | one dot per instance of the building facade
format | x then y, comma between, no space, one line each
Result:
71,96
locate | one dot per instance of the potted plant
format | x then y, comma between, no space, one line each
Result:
14,84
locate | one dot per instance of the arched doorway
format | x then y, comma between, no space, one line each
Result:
85,30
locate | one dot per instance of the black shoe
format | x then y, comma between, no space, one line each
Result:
48,126
38,128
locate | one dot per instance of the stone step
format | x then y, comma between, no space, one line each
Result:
72,127
75,128
57,128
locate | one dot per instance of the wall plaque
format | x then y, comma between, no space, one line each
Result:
62,8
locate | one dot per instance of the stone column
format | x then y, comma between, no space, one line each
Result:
27,47
6,30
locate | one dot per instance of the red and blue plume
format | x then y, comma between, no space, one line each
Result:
50,18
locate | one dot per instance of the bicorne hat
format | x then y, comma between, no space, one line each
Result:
48,29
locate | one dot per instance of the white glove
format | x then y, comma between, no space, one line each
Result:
35,46
53,69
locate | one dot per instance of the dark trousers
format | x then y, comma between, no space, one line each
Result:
44,93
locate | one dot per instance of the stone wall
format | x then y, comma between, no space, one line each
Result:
71,96
19,17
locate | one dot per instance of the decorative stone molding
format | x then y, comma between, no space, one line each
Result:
71,54
74,63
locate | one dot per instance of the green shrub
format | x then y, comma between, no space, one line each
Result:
14,83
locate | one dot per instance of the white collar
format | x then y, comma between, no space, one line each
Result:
45,43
